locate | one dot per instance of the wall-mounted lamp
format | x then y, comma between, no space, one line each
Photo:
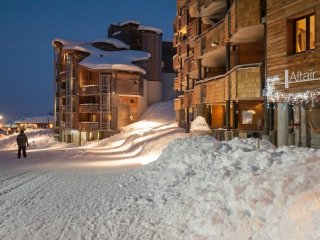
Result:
214,44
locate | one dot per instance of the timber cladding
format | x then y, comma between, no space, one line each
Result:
129,84
215,91
127,110
245,83
280,15
248,13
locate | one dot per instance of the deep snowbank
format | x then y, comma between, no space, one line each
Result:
203,189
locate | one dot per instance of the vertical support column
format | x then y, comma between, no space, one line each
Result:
228,57
228,115
282,124
235,117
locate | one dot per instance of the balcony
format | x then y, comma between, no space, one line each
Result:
216,91
191,67
88,108
176,62
241,83
89,90
62,92
213,49
175,40
215,9
89,126
182,49
178,103
176,84
181,3
192,30
187,99
245,82
245,22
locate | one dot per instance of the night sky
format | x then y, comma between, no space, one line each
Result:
27,28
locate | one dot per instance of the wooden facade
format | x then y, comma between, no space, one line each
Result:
219,61
94,101
297,68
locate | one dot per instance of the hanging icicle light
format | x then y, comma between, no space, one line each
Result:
275,96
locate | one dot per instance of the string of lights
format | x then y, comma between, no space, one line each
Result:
275,96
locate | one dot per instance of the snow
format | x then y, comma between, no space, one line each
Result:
66,42
151,29
197,187
199,126
122,60
113,41
43,119
129,22
116,33
116,60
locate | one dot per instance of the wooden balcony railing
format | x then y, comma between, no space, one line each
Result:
89,126
214,37
188,99
192,30
89,90
182,48
245,82
176,62
183,20
88,108
176,84
62,93
178,103
242,82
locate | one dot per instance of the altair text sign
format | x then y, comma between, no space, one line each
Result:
299,76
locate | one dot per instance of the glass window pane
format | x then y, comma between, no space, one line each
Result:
301,35
312,32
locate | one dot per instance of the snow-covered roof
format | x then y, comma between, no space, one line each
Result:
150,29
66,42
129,22
116,33
113,41
35,120
116,60
76,48
10,125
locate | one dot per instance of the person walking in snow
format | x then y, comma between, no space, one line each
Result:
22,142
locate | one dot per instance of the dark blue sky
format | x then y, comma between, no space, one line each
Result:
27,28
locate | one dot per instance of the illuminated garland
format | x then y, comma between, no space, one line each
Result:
275,96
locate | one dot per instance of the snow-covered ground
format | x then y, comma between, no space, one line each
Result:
198,188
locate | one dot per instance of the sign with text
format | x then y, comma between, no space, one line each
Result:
299,76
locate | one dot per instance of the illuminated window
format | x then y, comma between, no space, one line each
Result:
304,34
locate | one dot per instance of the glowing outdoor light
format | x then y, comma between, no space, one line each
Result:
214,44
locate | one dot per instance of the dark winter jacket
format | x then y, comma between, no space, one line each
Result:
22,140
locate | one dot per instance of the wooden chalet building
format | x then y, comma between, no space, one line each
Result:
293,68
220,64
103,85
250,67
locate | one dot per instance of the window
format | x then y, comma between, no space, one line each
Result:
304,34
